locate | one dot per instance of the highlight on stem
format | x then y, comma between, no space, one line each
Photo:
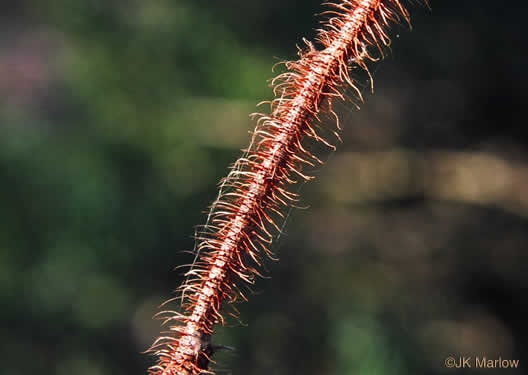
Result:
257,192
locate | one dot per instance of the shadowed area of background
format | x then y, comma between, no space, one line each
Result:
118,118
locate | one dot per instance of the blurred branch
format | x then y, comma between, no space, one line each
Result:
470,177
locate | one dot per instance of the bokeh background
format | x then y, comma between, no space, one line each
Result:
118,118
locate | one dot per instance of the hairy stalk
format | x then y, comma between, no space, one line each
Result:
255,195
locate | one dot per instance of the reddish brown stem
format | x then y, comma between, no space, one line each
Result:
255,194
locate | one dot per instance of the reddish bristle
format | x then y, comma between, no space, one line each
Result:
255,193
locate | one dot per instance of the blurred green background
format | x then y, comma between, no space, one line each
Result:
118,118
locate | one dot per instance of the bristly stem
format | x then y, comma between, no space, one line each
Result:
255,194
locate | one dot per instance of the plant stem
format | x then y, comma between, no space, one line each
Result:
255,194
